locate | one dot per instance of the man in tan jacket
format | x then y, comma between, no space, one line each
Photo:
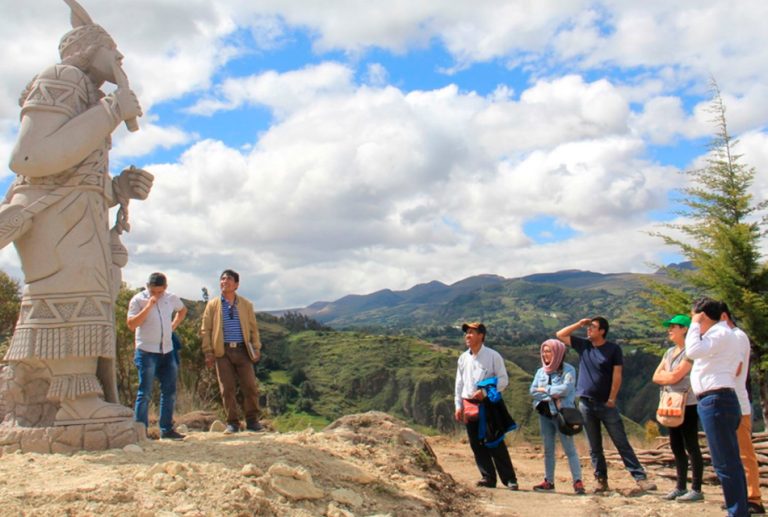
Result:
231,342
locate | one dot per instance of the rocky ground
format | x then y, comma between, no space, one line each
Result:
455,457
362,465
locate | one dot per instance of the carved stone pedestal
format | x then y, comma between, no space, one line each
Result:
70,438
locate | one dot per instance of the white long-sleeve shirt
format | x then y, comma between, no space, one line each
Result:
741,379
475,368
716,356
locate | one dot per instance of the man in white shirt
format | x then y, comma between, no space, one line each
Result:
744,433
716,355
151,316
476,364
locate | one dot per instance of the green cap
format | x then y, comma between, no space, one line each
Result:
678,319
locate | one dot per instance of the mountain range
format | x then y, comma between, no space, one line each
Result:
517,311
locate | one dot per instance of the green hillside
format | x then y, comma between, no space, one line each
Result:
520,313
328,374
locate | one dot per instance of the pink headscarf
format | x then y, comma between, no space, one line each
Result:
558,353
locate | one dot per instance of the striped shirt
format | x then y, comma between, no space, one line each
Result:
230,318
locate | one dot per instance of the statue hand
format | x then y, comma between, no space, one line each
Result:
128,106
134,183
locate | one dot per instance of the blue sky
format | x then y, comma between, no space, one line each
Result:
329,148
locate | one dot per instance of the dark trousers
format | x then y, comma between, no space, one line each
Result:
235,365
685,439
486,458
596,413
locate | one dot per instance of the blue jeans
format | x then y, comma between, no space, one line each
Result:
595,413
720,415
548,431
165,368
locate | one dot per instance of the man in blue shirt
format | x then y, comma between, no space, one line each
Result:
150,315
600,370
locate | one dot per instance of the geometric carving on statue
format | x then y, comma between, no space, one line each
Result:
61,358
24,313
89,309
66,310
41,311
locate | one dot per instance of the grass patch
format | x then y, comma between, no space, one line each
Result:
279,377
298,422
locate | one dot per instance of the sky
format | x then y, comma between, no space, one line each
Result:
345,146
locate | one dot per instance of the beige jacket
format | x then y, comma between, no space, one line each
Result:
213,329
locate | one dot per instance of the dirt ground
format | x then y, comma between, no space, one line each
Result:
455,456
362,465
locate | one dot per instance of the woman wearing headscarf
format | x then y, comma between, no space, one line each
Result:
553,386
674,373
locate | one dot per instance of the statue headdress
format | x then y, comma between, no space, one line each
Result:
84,34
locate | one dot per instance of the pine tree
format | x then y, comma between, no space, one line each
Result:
722,238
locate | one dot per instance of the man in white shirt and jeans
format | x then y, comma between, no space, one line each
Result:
716,355
477,364
150,314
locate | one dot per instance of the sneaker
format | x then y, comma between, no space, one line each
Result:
674,494
512,485
254,427
645,485
544,486
755,508
690,496
486,483
232,429
173,434
602,486
578,487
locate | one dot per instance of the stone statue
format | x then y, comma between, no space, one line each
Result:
56,214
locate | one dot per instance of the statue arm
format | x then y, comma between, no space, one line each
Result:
50,142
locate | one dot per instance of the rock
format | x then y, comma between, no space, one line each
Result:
293,483
132,448
157,468
281,469
161,480
349,472
335,511
251,470
185,508
176,485
295,488
217,427
174,468
182,428
408,436
347,497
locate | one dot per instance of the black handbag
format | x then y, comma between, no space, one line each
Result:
569,421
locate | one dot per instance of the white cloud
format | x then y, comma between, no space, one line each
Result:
355,188
283,93
358,188
149,137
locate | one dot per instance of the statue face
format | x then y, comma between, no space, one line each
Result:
101,68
